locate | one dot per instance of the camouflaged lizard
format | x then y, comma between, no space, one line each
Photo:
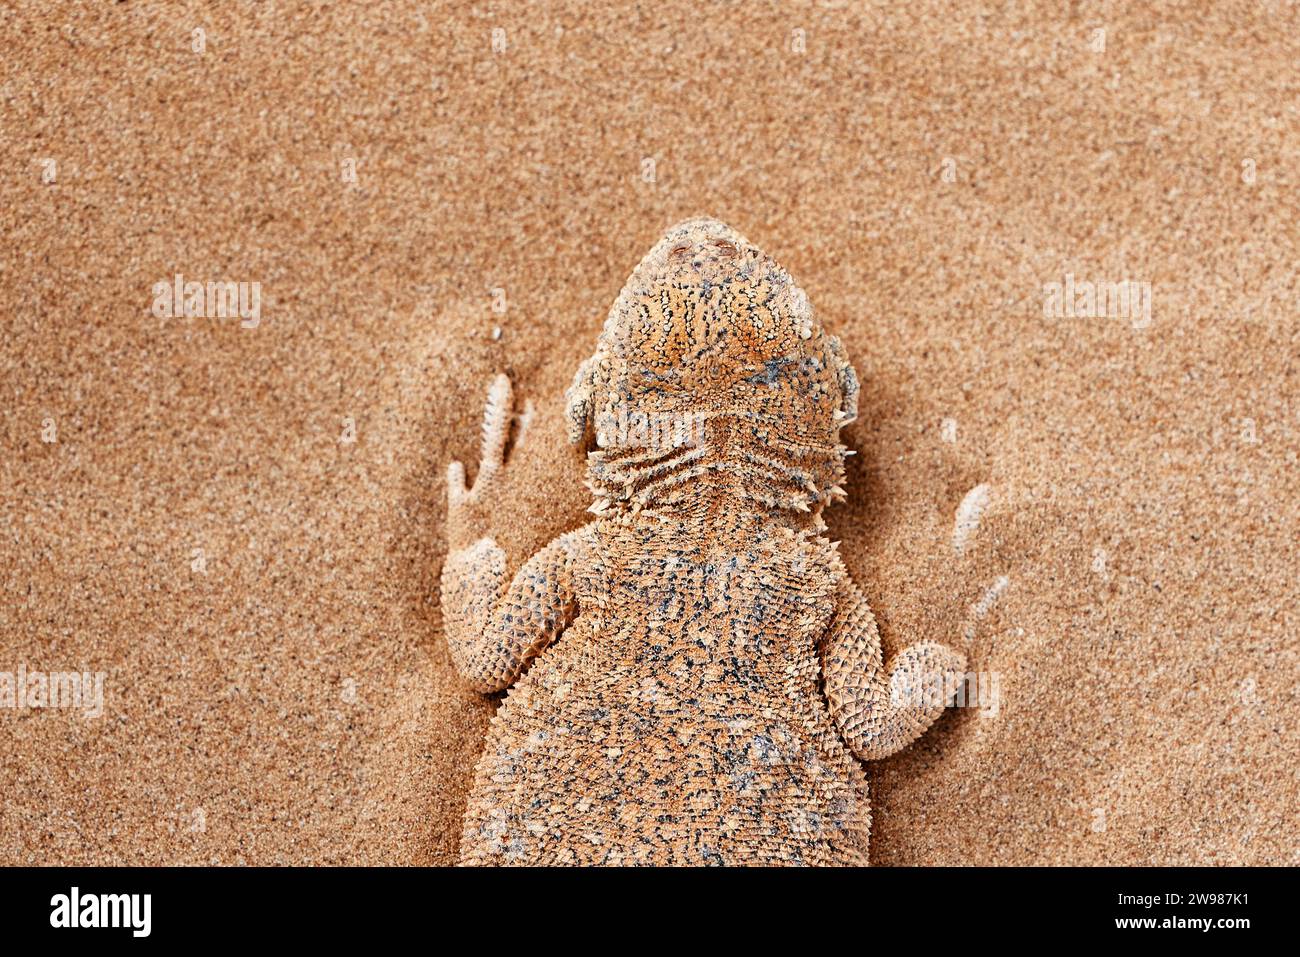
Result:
694,677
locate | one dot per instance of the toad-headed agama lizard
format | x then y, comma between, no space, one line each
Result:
694,677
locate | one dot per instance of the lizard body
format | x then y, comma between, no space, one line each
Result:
694,677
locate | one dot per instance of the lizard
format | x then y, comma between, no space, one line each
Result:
694,677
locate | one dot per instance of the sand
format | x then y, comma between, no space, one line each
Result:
925,171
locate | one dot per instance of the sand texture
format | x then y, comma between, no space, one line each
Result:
242,528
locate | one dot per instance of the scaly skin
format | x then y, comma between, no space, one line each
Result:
694,676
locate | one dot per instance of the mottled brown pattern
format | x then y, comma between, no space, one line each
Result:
718,670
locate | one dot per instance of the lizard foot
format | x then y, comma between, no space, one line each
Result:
464,502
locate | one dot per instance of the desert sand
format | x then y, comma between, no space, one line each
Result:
241,525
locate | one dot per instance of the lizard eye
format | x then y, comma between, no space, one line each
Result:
724,247
680,251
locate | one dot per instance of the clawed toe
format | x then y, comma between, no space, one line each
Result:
967,520
495,430
456,491
496,425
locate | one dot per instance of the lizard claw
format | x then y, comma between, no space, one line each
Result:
967,520
966,526
496,429
456,491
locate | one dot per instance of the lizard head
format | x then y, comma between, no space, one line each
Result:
711,362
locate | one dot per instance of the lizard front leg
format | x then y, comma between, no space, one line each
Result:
882,707
495,627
